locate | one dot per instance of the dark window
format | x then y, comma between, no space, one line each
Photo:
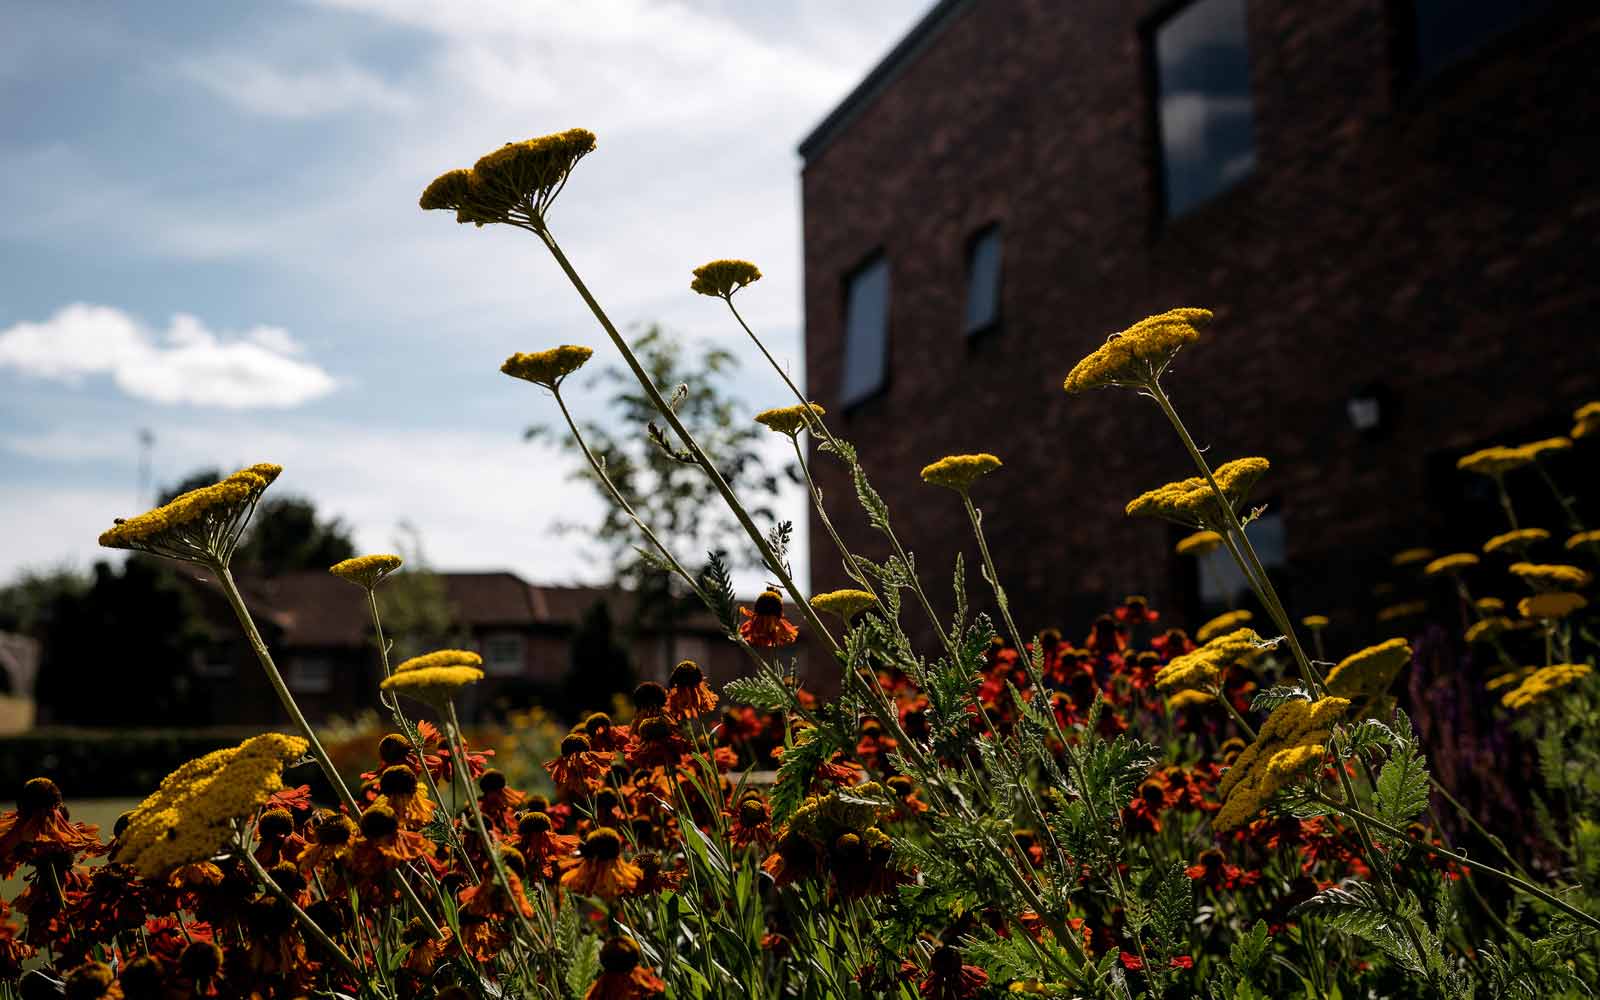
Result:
1222,585
1207,126
1447,30
983,281
866,332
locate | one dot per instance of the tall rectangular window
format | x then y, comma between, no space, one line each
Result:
1447,30
1222,585
866,332
983,281
502,655
1207,124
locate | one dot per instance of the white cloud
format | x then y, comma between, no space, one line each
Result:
258,87
189,364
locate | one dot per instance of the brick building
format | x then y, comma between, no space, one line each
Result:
1390,204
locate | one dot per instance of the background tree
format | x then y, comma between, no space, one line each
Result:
416,609
600,665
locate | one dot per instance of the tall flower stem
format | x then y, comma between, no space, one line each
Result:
695,451
853,566
307,925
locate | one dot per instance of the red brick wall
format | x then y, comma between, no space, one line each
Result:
1439,239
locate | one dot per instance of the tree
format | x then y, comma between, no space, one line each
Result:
600,665
415,608
30,602
285,533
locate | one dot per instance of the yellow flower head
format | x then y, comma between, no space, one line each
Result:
1539,685
1582,538
959,472
1534,449
1407,609
1202,669
1290,741
1139,354
200,526
844,603
1453,563
1315,622
790,420
1198,544
189,817
1495,461
1407,557
1192,501
1553,605
1586,420
461,192
1369,671
1225,622
432,685
1488,629
1551,576
1515,541
549,367
514,184
724,277
366,571
441,658
1190,698
1489,605
1510,678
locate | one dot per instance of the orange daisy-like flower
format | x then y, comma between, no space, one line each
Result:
40,827
399,790
488,900
656,742
752,819
579,770
621,975
543,848
600,869
765,627
384,843
795,858
331,841
688,695
278,840
499,802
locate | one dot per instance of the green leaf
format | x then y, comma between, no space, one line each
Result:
800,762
1173,910
1271,698
584,963
764,691
1402,790
1249,949
1357,910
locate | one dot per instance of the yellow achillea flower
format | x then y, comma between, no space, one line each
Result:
1202,669
1510,678
1582,538
1553,605
1198,544
1488,628
790,420
1516,540
1289,742
1453,563
200,526
1553,575
1406,557
515,184
1192,502
959,472
1489,605
1139,354
433,685
1534,449
1189,698
844,603
1540,684
190,815
1369,671
441,658
549,367
1409,609
1586,420
1314,622
1494,461
1225,622
721,278
366,571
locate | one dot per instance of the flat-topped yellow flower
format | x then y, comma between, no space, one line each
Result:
1290,741
1534,449
1190,698
722,278
844,603
1408,557
366,571
1315,622
1192,501
1489,628
1455,562
441,658
790,420
1515,541
1510,678
1198,544
514,184
1203,669
1489,605
1139,354
1553,576
190,815
1225,622
202,525
1553,606
1370,671
1582,538
433,685
1406,609
959,472
1542,683
548,367
1586,420
1494,461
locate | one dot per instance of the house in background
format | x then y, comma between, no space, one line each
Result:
19,669
1389,204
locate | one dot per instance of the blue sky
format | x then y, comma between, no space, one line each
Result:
211,232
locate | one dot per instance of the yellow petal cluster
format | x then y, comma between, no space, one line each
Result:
1489,605
844,603
959,472
1521,538
1192,501
1406,557
1453,563
1198,544
1202,669
1189,698
1582,538
1138,354
1586,420
366,571
198,523
1494,461
548,367
1489,628
722,278
1407,609
1553,605
1225,622
1540,684
790,420
1535,449
1290,741
190,815
1370,671
1553,575
441,658
515,183
1315,621
1510,678
433,685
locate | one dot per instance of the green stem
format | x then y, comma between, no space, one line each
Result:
307,925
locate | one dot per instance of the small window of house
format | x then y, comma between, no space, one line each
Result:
866,332
1206,120
983,281
1221,583
310,674
502,655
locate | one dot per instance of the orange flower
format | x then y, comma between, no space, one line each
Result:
579,770
765,627
39,827
488,900
752,819
622,977
401,792
384,844
600,869
689,696
331,840
541,845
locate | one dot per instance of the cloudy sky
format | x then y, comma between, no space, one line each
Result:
211,233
